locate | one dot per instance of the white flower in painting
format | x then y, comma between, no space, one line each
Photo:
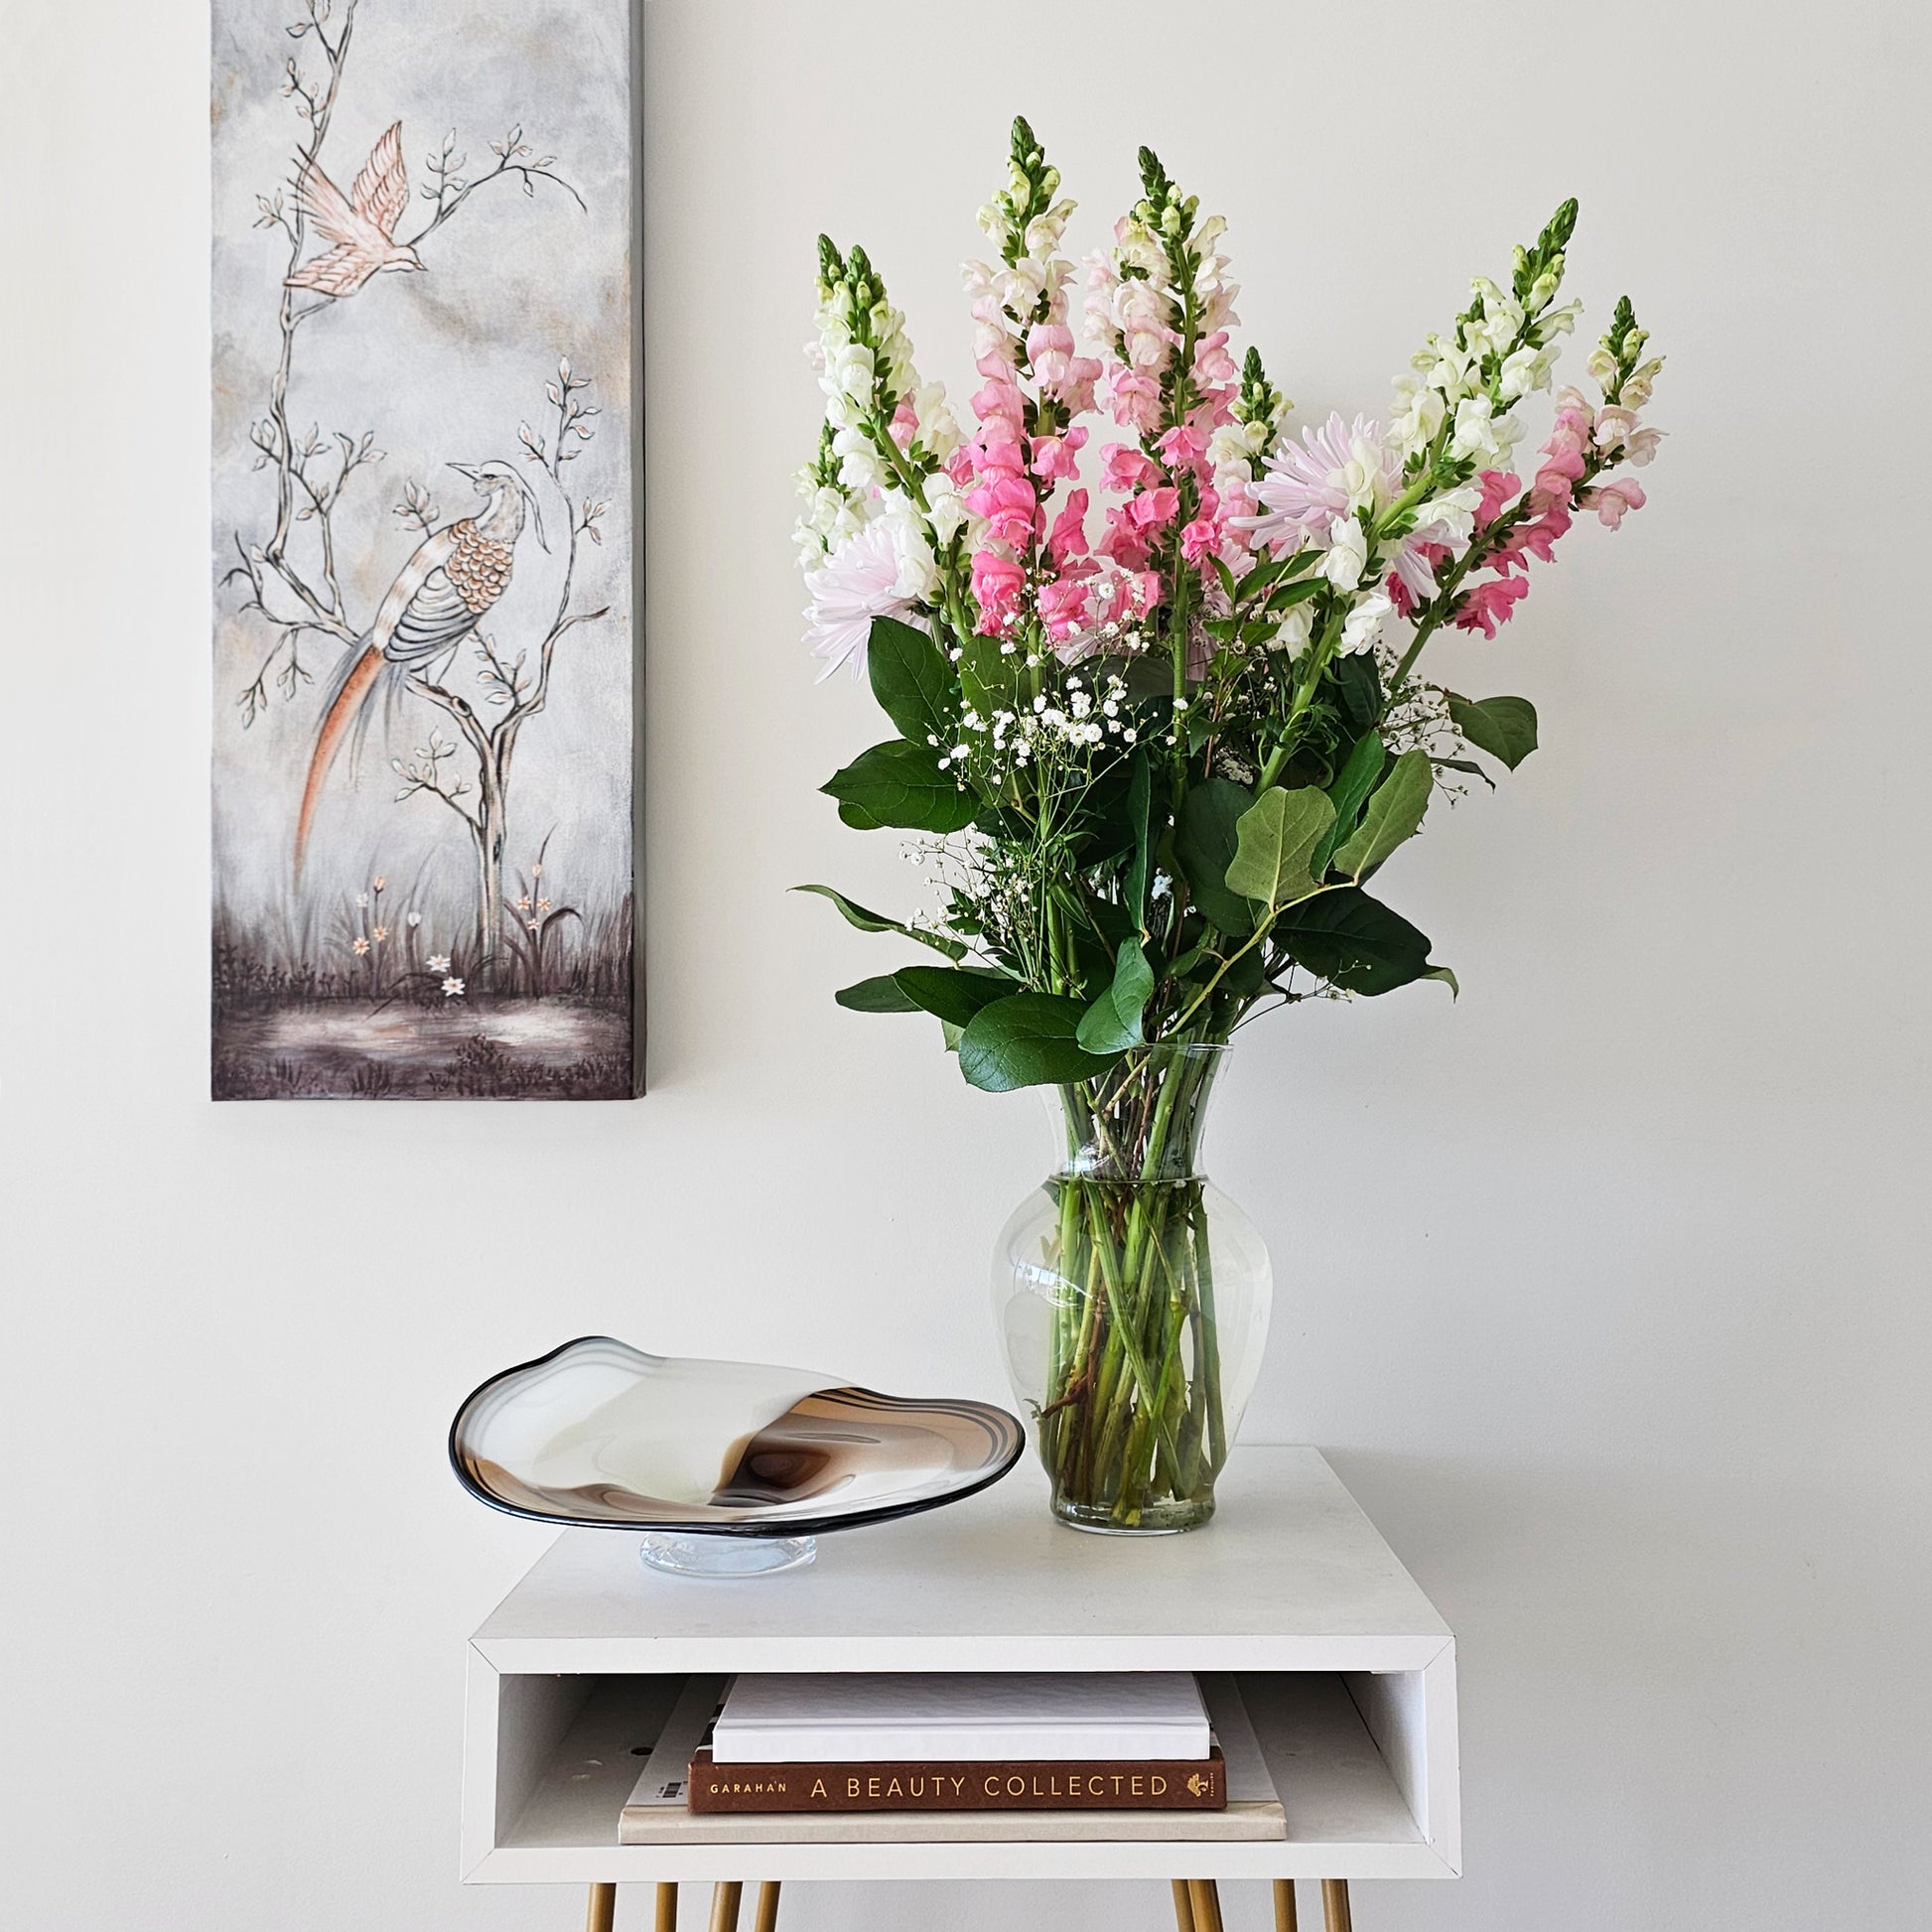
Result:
438,962
882,572
358,945
453,988
414,918
362,898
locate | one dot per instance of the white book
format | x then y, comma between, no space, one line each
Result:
657,1815
882,1717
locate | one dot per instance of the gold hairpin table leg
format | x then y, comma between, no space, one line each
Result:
1184,1909
1285,1921
603,1909
1206,1897
1334,1905
666,1908
767,1915
725,1895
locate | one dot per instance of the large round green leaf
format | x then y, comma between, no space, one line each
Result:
1029,1040
899,783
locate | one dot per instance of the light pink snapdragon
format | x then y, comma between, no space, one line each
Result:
1613,500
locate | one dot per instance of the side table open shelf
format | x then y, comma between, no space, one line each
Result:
1347,1672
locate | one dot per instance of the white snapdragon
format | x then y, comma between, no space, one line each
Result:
1449,519
1363,623
1523,371
1500,322
861,466
945,509
1482,434
939,429
1347,554
828,517
1420,412
1446,366
1295,629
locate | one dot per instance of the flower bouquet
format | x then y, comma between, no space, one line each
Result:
1158,723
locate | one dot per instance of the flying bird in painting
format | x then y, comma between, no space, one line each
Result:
437,599
360,224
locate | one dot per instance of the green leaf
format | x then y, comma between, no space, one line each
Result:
1360,684
1140,817
1468,765
1505,728
1274,838
913,680
870,921
1029,1040
951,994
1113,1022
1395,812
901,783
1354,783
1353,942
881,995
1203,848
1443,974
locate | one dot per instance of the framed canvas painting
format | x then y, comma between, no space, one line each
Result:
426,685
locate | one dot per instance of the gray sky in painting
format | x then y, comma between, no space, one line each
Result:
440,367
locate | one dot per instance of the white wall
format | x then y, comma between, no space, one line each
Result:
1604,1287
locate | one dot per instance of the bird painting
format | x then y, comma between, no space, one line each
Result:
360,224
439,597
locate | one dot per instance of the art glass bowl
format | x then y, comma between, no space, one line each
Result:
729,1467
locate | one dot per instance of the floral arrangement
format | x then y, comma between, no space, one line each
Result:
1158,714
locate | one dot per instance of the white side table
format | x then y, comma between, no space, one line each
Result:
1347,1672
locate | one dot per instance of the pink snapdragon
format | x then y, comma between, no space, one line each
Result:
1490,603
1184,446
1064,608
904,425
1009,508
1212,362
1498,488
1125,467
1613,500
998,584
1069,537
1135,399
1054,454
1124,540
1154,509
1536,538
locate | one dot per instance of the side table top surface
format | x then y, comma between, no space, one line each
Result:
1290,1575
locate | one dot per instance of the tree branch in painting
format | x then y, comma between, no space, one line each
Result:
298,596
513,689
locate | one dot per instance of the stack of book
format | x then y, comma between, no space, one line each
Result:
968,1754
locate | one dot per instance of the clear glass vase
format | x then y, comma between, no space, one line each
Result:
1131,1297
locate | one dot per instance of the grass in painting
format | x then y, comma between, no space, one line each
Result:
373,999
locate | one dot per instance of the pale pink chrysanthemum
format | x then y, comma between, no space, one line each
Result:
1339,468
869,575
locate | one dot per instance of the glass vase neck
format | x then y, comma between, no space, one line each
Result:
1141,1121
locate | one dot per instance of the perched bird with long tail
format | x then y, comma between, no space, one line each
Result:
362,224
437,599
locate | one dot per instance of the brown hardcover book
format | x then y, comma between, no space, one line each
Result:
1198,1784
